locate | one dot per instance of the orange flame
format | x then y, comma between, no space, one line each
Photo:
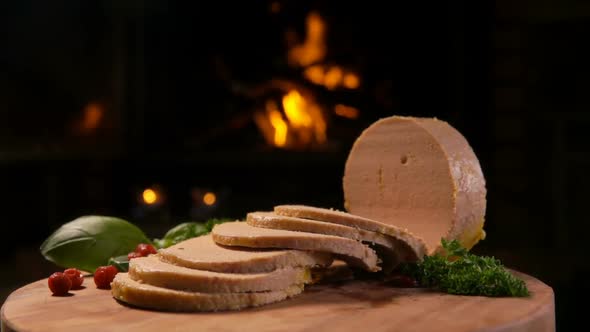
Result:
346,111
313,48
296,109
272,125
315,74
351,81
280,128
332,77
304,124
304,114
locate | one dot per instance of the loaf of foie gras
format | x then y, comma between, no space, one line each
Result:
241,234
136,293
420,174
203,253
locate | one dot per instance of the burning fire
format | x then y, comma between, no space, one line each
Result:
296,120
301,124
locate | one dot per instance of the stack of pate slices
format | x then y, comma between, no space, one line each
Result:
408,182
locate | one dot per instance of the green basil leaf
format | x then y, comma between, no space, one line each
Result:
89,241
180,233
120,262
215,221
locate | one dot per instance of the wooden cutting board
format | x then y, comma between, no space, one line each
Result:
353,305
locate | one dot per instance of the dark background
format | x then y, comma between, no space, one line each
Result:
100,100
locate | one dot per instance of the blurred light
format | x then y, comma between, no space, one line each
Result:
92,116
275,7
278,124
296,109
333,78
346,111
150,196
315,74
209,198
351,81
313,48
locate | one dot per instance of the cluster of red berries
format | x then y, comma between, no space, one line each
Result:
60,283
142,250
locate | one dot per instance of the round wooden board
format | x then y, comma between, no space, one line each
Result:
345,306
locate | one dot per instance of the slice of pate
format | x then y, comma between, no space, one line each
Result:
203,253
143,295
153,271
243,235
409,247
420,174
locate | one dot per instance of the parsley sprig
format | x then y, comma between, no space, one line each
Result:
456,271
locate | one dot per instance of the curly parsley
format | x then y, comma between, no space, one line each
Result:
456,271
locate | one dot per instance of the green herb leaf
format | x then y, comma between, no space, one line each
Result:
456,271
90,241
187,230
120,262
215,221
180,233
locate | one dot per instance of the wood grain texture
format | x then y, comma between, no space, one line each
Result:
354,305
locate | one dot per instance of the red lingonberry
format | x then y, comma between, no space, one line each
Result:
145,249
59,284
75,277
104,275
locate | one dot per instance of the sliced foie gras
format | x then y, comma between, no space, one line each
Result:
408,247
204,254
420,174
153,271
276,221
390,250
143,295
243,235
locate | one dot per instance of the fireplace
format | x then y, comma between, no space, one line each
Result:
167,111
